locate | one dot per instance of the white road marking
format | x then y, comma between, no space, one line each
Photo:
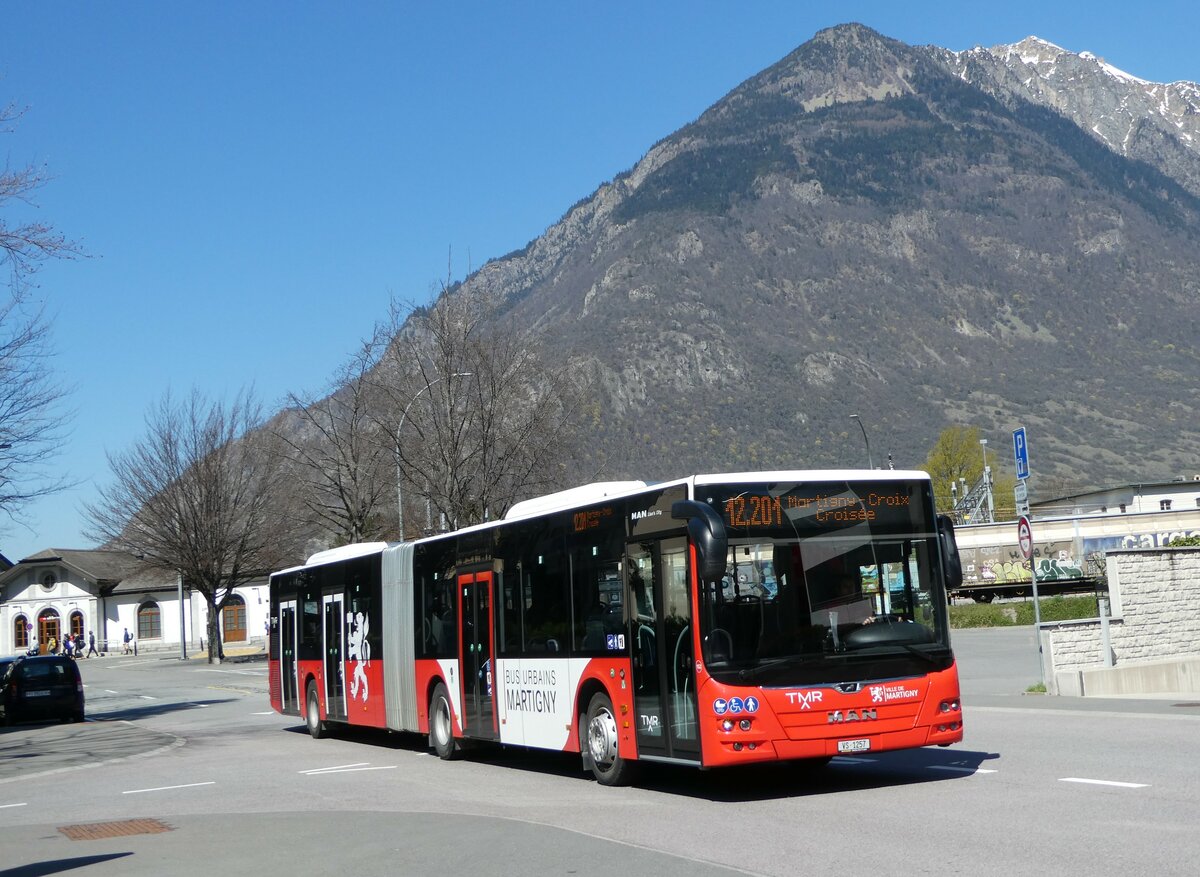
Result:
335,767
168,788
267,713
953,768
346,768
147,697
110,691
6,806
1103,783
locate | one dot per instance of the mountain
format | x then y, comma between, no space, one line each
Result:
997,237
1147,121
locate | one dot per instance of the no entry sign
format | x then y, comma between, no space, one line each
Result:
1025,537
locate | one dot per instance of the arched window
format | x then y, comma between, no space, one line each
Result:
21,631
233,620
149,621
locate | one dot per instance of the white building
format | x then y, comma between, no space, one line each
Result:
105,593
1151,496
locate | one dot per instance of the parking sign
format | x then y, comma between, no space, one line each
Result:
1021,452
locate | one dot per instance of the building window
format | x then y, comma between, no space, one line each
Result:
49,580
1122,508
1164,505
149,621
21,631
76,624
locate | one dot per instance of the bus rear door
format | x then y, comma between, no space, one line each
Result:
287,657
476,655
335,668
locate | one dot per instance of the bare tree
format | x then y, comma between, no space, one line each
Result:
193,497
25,243
340,457
30,419
478,418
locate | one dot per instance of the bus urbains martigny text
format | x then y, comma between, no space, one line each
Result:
712,621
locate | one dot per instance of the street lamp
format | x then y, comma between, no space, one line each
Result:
867,441
399,427
987,480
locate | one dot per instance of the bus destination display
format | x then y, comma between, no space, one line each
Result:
763,510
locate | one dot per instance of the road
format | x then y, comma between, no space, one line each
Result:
1045,785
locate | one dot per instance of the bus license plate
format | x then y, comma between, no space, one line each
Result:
854,745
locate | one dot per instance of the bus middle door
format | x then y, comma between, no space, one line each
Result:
476,655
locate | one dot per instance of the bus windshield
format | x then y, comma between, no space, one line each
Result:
825,581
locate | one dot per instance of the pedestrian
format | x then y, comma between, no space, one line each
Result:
33,641
52,646
79,645
92,645
67,646
126,640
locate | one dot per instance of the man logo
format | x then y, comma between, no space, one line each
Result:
838,717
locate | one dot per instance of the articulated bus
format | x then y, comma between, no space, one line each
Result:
712,621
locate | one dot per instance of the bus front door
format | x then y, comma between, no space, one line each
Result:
664,678
287,657
335,668
477,659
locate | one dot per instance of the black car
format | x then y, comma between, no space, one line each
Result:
39,688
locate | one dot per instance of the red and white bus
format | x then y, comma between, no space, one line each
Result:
712,621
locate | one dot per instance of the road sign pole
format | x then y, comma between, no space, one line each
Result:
1025,543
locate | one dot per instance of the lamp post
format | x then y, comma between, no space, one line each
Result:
867,441
399,427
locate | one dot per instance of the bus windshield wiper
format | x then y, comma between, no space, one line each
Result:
747,674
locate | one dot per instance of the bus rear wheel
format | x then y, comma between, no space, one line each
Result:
441,725
600,741
312,713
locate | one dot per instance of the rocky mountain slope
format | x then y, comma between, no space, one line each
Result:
996,237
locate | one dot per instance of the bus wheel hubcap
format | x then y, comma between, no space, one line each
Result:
602,738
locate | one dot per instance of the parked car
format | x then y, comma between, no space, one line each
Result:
45,687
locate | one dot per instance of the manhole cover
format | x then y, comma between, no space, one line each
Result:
124,828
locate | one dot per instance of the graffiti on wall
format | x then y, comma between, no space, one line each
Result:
1004,564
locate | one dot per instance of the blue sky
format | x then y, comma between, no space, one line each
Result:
254,181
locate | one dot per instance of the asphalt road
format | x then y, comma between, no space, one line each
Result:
1040,785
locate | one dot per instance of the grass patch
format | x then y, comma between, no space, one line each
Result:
1017,614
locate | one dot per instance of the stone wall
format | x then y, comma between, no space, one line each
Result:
1155,609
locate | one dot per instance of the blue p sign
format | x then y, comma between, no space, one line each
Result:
1021,452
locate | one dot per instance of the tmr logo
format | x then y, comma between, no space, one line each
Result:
837,717
805,698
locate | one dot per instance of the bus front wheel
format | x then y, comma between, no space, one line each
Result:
601,736
312,712
441,725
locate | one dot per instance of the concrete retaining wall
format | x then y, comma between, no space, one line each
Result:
1154,631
